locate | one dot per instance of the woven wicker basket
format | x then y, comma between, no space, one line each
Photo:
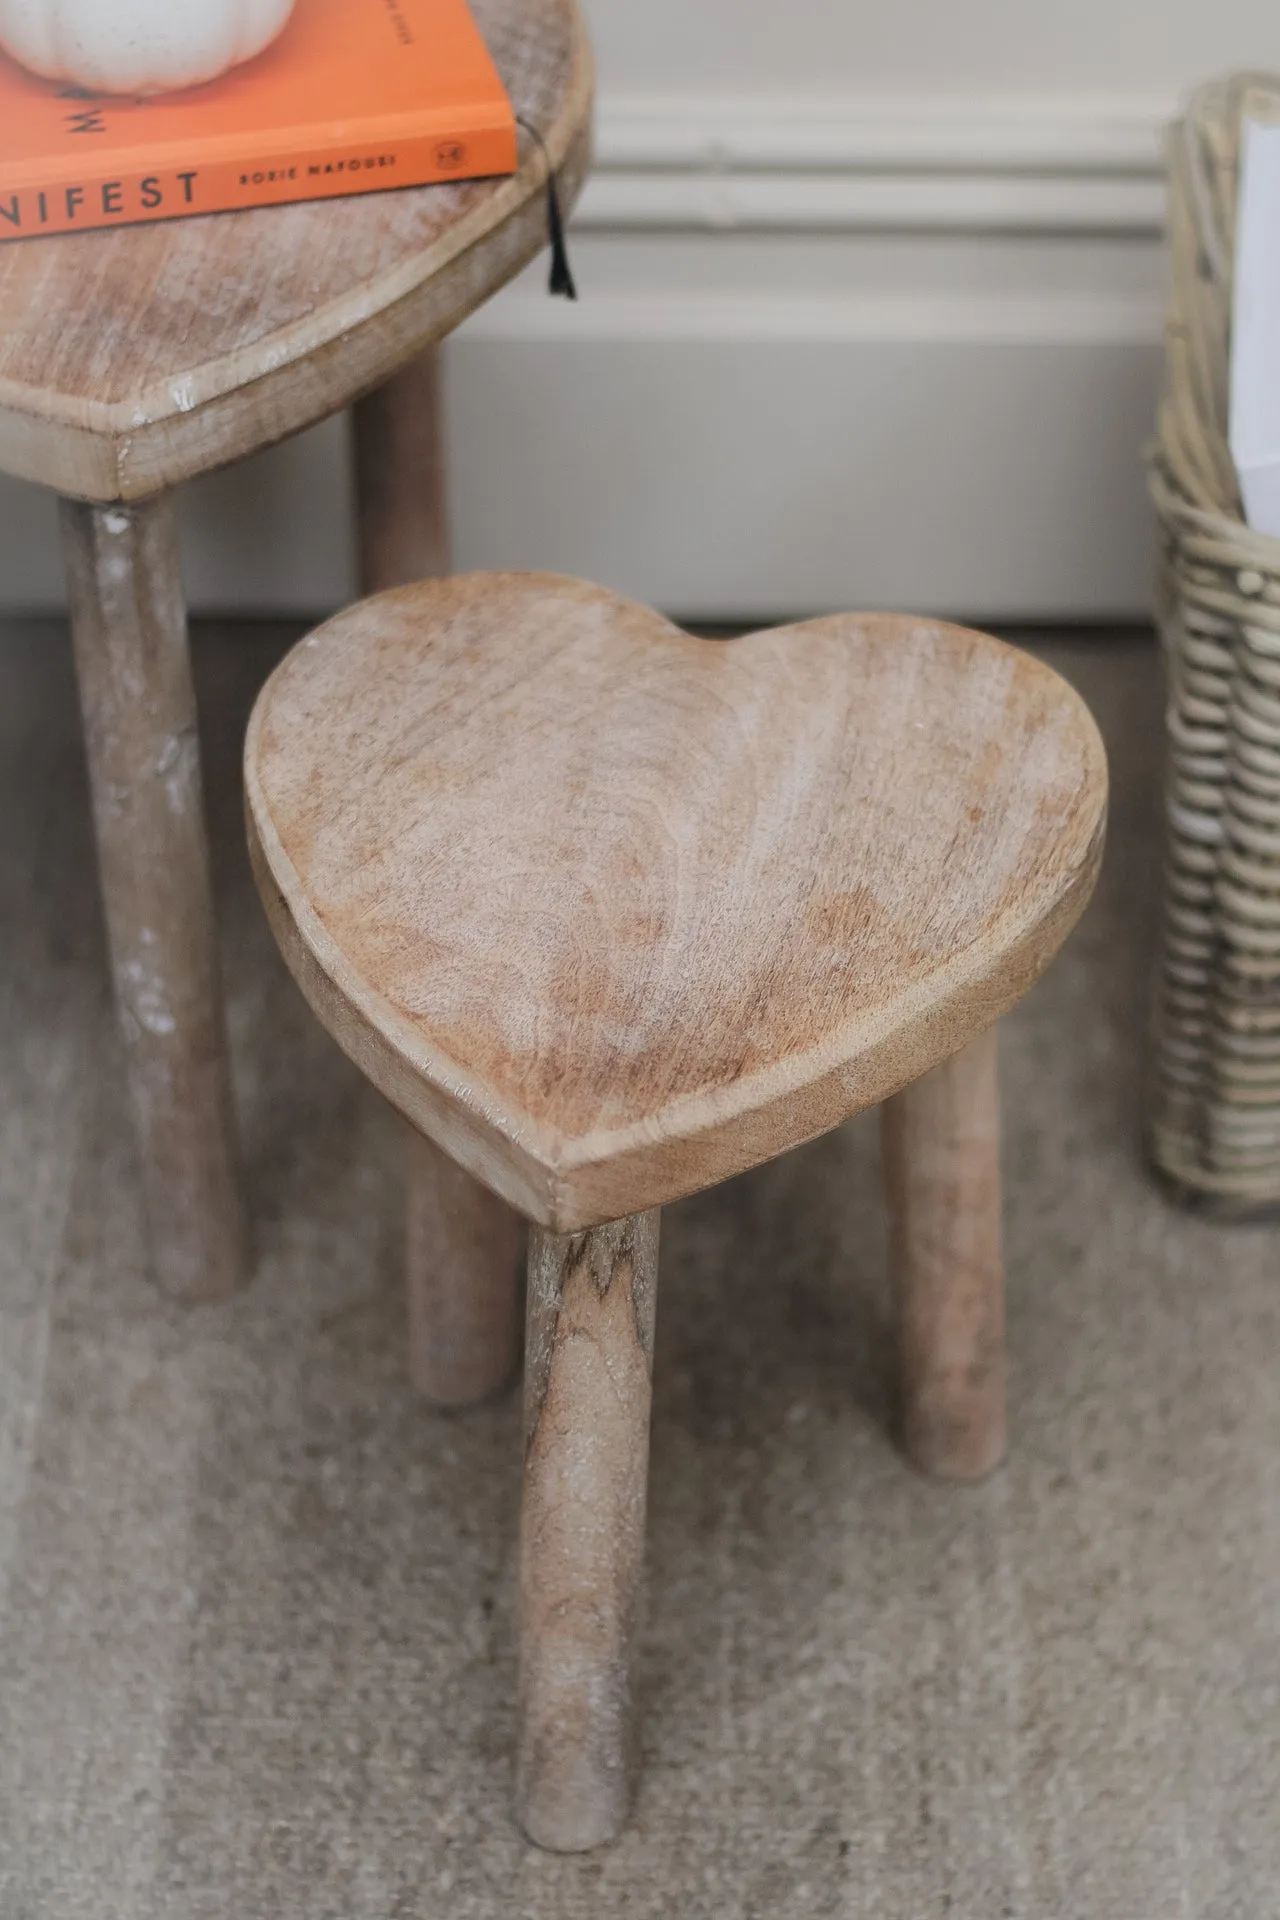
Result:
1214,1113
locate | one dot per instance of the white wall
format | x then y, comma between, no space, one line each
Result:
871,315
968,46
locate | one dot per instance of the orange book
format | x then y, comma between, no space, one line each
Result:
355,96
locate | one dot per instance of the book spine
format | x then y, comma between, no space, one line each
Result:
94,200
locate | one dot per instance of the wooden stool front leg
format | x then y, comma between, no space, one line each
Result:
588,1373
134,670
942,1173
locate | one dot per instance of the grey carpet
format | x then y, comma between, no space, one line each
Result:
256,1633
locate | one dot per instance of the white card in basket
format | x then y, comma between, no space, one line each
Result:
1255,338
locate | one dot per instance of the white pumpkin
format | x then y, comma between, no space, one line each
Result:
138,46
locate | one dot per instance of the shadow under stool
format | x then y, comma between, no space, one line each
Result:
611,914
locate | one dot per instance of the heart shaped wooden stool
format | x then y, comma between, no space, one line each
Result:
612,913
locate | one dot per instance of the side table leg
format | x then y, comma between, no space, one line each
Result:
138,702
463,1271
401,498
942,1173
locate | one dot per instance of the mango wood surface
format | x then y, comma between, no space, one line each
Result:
462,1244
139,706
613,913
402,504
463,1250
942,1178
135,358
588,1388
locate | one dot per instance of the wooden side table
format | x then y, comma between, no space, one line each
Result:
133,360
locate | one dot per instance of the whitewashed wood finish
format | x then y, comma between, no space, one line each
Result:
588,1387
462,1271
139,710
461,1242
942,1176
402,506
613,913
136,358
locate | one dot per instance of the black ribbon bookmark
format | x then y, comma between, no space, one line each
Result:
561,280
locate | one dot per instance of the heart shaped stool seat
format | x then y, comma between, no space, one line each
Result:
612,913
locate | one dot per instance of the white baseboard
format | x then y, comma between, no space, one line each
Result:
876,353
1060,164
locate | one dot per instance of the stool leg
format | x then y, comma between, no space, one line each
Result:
463,1257
588,1368
401,502
462,1243
942,1171
138,703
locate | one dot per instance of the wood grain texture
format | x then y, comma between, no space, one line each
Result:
613,913
462,1244
134,670
942,1176
462,1258
589,1367
402,513
180,346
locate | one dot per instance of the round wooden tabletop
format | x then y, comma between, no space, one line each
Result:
133,359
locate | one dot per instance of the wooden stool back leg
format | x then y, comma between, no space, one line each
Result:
588,1372
462,1244
463,1257
134,669
942,1173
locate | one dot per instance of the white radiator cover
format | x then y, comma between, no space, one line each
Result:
880,352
